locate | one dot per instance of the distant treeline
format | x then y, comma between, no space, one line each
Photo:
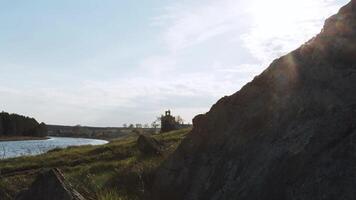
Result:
17,125
94,132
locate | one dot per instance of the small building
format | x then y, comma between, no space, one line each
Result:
168,122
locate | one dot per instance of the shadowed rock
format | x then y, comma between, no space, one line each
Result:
148,145
288,134
50,185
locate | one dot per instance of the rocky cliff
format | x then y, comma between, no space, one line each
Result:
288,134
17,125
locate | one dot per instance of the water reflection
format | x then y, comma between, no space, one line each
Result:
10,149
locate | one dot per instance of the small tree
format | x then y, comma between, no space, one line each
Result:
154,125
179,120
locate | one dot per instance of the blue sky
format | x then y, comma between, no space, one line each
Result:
109,62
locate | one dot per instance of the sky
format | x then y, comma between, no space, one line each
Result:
110,62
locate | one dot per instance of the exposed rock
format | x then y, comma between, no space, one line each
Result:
50,185
289,134
17,125
148,145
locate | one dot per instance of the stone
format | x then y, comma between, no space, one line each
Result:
148,145
50,185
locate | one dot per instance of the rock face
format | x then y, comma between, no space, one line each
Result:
17,125
50,185
148,145
288,134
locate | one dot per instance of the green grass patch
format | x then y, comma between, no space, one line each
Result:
113,171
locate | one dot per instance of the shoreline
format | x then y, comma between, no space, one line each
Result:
93,138
21,138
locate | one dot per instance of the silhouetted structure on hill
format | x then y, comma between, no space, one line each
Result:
168,122
171,123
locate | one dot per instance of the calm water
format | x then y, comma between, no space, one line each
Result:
34,147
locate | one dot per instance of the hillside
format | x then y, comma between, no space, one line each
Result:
288,134
108,172
13,125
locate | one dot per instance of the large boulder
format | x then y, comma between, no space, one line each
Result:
290,134
148,145
50,185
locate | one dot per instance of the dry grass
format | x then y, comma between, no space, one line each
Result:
109,172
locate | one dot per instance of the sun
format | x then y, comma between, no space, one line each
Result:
278,15
283,25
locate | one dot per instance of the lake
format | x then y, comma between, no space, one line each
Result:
11,149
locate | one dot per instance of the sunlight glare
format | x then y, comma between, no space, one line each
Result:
288,23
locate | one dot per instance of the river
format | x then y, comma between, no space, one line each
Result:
11,149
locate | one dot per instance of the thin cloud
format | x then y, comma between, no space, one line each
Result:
273,27
273,34
187,34
188,24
